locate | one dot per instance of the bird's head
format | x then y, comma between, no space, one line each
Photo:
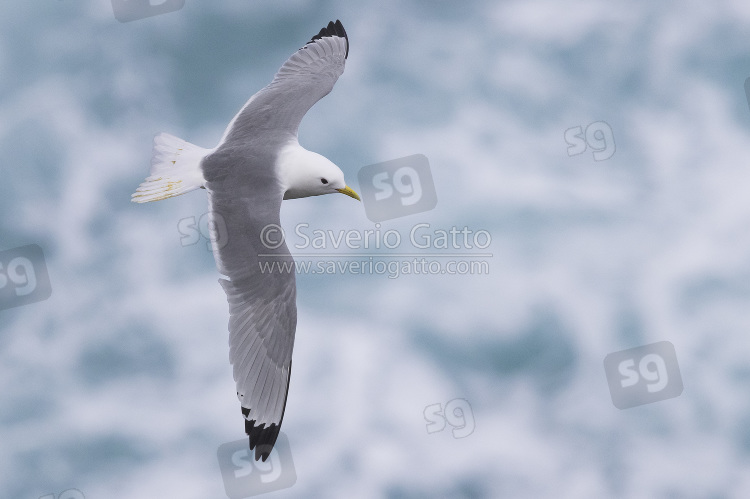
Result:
310,174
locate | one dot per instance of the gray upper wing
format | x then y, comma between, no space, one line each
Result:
305,78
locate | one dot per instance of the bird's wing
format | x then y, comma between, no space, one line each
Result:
244,201
244,207
305,78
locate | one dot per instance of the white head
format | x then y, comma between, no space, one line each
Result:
304,173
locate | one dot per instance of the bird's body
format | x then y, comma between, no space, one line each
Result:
257,164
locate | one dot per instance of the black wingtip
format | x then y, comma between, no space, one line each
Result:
260,438
333,29
263,440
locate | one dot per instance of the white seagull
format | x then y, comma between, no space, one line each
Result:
256,165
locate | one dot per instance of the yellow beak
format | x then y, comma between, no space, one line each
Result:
349,192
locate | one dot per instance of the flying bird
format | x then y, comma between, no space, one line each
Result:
257,164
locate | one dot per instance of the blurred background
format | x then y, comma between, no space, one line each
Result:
119,386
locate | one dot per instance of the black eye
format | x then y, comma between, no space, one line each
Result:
324,181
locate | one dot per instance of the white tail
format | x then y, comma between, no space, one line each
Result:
175,169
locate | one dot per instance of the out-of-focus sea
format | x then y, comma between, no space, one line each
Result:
119,384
